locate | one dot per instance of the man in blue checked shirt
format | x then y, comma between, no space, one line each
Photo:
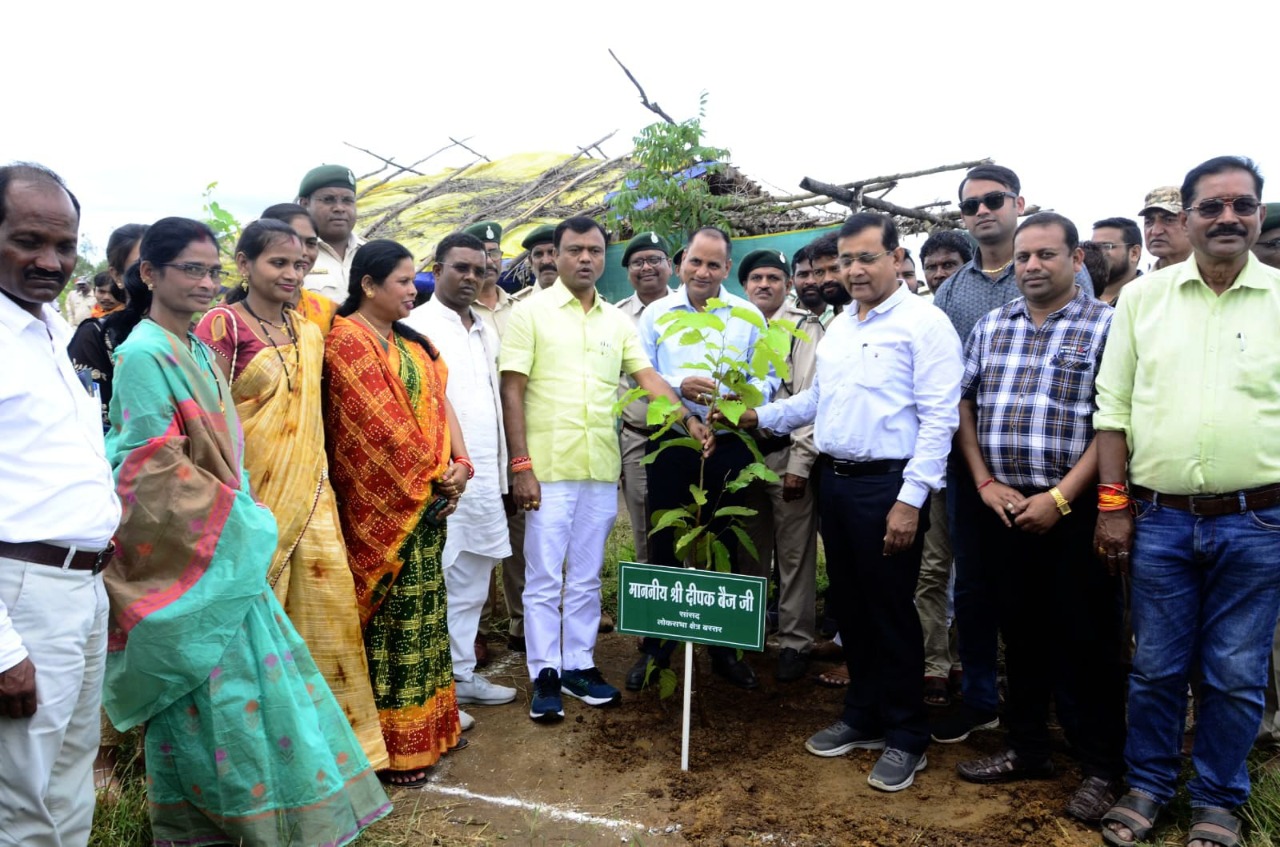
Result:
1026,435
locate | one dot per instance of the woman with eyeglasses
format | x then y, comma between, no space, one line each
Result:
399,466
245,744
273,359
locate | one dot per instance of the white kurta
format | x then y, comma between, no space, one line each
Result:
480,523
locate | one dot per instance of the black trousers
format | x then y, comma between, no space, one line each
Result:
1059,618
875,607
669,477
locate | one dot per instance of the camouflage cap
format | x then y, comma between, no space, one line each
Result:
487,231
1167,198
645,241
763,259
1272,220
545,234
326,176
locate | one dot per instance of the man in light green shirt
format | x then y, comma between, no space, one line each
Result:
1189,413
562,353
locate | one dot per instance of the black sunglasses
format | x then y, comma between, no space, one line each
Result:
993,201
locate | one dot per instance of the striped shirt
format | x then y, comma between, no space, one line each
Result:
1034,388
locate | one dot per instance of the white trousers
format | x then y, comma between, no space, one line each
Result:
564,552
466,579
46,760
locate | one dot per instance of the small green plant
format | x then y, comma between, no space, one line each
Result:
662,193
222,222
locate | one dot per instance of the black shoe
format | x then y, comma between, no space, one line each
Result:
636,676
956,727
735,670
515,643
792,665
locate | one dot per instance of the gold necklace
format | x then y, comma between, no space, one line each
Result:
385,342
999,270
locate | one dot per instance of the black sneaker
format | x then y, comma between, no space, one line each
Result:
589,686
956,727
547,707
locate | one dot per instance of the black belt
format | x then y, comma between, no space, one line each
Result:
638,430
843,467
1212,505
39,553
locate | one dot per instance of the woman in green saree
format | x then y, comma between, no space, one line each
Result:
245,744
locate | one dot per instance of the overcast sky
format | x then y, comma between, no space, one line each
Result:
141,105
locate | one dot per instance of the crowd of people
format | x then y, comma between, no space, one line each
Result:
259,522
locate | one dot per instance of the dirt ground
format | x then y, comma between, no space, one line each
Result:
612,776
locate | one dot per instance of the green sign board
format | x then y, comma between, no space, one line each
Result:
685,604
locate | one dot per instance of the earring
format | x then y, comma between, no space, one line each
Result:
367,292
244,284
151,286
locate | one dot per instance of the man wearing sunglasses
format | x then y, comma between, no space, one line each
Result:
328,192
1164,228
1189,497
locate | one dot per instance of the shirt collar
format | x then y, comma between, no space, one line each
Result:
902,293
434,304
561,296
1252,275
17,319
1019,308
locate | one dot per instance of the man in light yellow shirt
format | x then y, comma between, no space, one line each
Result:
561,355
1189,400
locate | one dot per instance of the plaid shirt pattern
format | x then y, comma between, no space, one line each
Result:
1034,388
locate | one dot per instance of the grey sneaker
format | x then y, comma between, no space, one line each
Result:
896,769
479,691
465,721
840,738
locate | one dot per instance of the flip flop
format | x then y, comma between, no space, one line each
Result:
837,677
936,693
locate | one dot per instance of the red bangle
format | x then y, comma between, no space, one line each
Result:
463,460
990,480
521,463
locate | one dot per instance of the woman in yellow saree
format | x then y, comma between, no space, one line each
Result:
391,434
274,360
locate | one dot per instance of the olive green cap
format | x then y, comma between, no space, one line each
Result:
326,176
645,241
763,259
488,231
544,234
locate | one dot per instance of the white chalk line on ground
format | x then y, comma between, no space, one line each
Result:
553,812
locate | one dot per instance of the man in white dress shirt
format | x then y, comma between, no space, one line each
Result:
477,538
57,515
885,404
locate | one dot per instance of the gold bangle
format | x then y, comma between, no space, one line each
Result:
1063,506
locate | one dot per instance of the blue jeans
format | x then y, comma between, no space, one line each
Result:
976,592
1206,588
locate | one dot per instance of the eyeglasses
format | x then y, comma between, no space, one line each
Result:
993,201
863,259
1112,245
465,269
197,271
494,253
1242,206
640,262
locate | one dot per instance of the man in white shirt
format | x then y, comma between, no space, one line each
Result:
477,538
57,515
885,404
328,192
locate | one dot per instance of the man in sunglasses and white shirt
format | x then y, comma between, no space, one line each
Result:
57,514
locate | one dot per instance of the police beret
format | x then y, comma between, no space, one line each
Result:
645,241
763,259
326,176
544,234
488,231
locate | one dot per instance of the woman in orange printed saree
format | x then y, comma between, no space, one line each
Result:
391,434
274,360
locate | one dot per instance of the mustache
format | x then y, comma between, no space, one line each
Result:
1227,229
549,266
54,276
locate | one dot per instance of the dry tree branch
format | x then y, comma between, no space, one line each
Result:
390,162
415,198
468,149
644,98
403,168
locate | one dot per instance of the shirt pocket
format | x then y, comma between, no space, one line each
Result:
873,367
1070,378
